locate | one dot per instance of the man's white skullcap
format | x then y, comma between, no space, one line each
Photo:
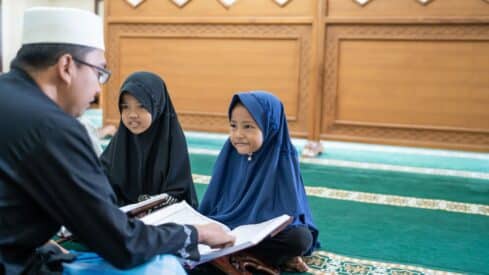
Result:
62,25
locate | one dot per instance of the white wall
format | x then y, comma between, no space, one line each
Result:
12,17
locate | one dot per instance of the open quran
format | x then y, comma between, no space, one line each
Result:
246,235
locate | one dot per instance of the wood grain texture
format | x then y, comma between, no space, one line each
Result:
392,72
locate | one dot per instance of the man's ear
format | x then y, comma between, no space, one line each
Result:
65,67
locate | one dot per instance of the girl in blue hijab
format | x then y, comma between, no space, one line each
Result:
256,178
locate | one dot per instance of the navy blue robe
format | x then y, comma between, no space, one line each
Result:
247,190
50,176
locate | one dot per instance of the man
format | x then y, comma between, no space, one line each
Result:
49,174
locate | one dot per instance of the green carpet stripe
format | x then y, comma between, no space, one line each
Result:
373,166
452,161
201,151
400,201
474,191
368,153
323,262
397,168
374,148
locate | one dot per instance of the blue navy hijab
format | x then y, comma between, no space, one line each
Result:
244,191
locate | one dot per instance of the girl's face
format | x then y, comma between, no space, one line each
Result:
134,116
245,134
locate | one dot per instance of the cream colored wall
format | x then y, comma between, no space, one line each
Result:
12,16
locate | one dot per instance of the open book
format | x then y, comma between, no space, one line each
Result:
246,235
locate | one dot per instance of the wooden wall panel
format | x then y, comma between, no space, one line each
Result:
193,69
405,84
205,65
417,83
407,72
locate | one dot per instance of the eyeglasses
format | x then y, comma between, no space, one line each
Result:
103,75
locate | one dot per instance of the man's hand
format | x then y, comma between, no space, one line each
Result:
213,235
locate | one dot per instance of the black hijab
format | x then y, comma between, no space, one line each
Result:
155,161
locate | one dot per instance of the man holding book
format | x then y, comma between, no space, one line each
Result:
49,174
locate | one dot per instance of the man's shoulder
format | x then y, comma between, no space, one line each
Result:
37,120
18,96
30,116
26,105
37,114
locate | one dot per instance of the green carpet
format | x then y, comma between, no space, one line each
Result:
382,182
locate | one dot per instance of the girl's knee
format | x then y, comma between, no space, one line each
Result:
301,240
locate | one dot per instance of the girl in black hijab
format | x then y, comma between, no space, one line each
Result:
148,154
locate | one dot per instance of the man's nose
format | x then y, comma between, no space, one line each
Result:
98,90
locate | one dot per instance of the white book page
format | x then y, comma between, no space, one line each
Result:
246,236
254,233
180,213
